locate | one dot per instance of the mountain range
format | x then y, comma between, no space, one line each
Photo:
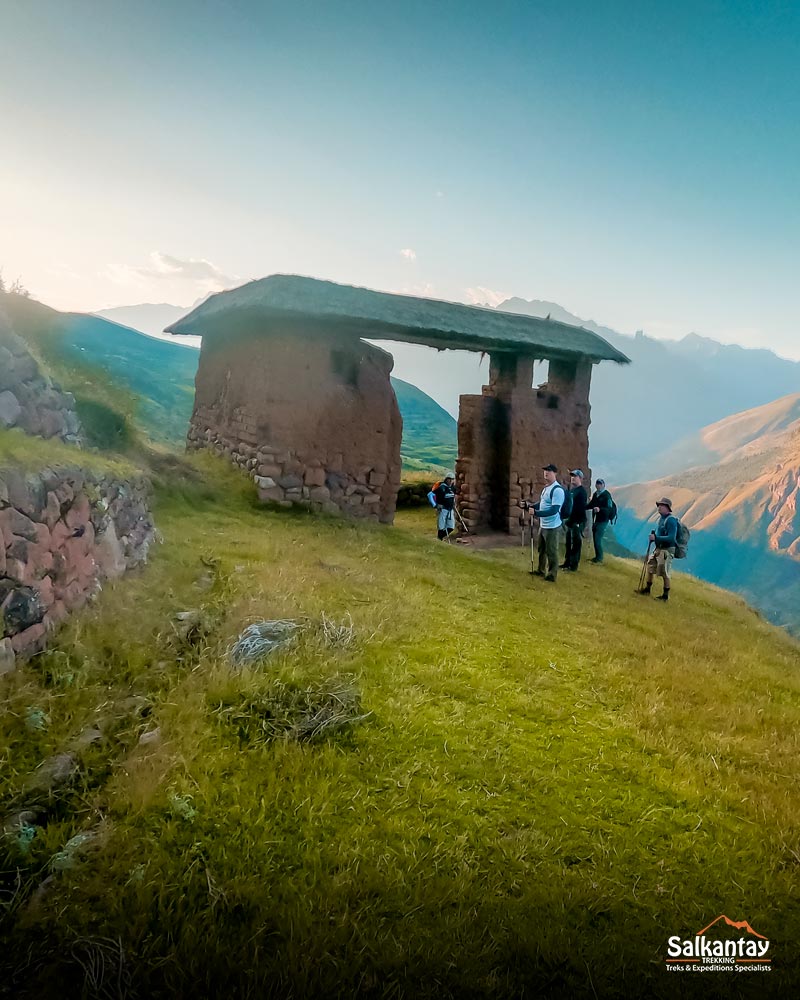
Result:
743,510
644,415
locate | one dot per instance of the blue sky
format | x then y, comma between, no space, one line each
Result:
635,162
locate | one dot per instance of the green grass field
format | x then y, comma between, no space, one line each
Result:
551,782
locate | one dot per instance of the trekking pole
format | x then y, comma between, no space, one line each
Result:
643,574
530,530
461,519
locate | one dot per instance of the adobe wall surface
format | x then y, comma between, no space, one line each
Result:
506,435
63,532
30,399
312,418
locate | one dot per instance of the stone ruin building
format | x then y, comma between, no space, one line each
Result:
287,388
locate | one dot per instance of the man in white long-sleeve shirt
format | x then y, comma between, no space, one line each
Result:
548,510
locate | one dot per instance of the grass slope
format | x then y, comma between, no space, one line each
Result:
552,782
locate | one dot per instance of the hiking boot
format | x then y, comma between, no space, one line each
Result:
549,578
538,572
598,561
644,590
565,566
664,596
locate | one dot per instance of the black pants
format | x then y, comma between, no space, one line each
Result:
574,543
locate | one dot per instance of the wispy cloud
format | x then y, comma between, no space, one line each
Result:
409,254
480,296
179,277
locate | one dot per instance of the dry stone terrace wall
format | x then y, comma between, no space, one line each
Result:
313,419
63,532
30,399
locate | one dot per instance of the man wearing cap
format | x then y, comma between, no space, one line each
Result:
664,537
443,498
576,522
548,510
601,507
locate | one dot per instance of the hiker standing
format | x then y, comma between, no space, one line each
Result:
602,507
548,510
665,539
576,521
443,498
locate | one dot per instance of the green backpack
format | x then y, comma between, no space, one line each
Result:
682,537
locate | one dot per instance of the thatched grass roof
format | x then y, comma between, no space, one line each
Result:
284,299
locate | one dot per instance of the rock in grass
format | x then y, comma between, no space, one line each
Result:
53,773
260,639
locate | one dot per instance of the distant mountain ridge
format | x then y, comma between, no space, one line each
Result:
148,317
752,432
670,391
645,416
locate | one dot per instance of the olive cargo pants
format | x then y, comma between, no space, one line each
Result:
548,550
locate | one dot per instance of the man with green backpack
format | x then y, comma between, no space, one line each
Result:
670,539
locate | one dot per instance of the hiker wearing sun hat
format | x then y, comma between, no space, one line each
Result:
664,538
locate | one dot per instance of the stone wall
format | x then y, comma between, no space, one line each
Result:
312,417
30,399
63,532
506,435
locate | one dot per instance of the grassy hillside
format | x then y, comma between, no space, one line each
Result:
549,783
160,375
429,432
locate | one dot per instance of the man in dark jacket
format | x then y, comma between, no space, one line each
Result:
601,506
664,538
576,522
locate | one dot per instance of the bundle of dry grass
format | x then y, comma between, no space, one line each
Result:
292,712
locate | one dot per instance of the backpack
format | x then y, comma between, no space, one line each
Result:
566,506
566,503
682,536
612,512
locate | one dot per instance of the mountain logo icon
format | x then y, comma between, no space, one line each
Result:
732,946
739,925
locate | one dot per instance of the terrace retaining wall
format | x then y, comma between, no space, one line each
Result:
63,532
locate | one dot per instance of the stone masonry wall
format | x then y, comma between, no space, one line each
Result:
30,399
63,531
506,435
313,419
